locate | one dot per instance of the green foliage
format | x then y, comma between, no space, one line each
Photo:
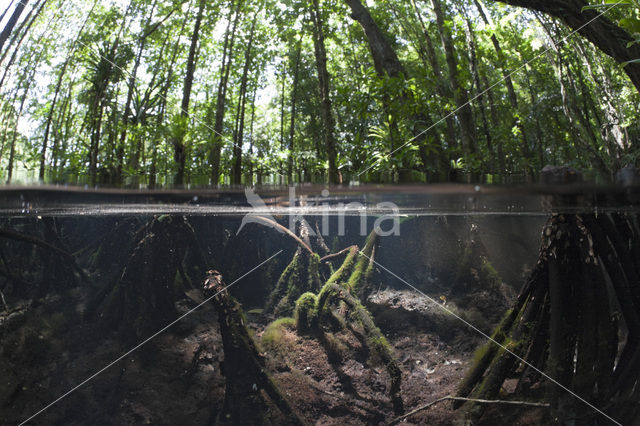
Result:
178,127
405,125
458,164
630,21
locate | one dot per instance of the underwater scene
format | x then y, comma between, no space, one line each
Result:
450,304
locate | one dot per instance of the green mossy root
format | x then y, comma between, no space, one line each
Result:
378,345
314,313
306,314
483,357
301,275
345,269
360,277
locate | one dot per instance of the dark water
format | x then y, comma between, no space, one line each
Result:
104,319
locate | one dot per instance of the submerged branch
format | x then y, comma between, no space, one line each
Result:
458,398
6,233
340,253
279,227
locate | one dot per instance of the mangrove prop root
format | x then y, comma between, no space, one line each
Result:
485,355
313,313
9,274
505,362
6,233
4,302
144,295
55,274
582,295
624,289
281,286
347,265
562,318
323,246
359,280
244,367
379,344
375,339
300,276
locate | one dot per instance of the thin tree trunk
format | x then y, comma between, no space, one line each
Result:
427,55
66,120
227,59
506,74
112,131
292,124
582,131
465,114
251,126
28,21
325,92
13,20
442,86
6,10
29,73
70,54
138,149
6,118
179,155
127,107
283,119
473,68
101,103
534,104
163,96
239,136
96,127
614,116
62,115
12,151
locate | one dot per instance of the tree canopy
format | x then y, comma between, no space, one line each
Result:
157,92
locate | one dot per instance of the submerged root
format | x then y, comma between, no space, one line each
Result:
306,313
143,297
244,368
315,314
300,276
563,322
377,343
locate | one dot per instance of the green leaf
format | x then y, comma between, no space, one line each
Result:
633,61
630,24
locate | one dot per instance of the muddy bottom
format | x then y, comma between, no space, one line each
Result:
176,378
